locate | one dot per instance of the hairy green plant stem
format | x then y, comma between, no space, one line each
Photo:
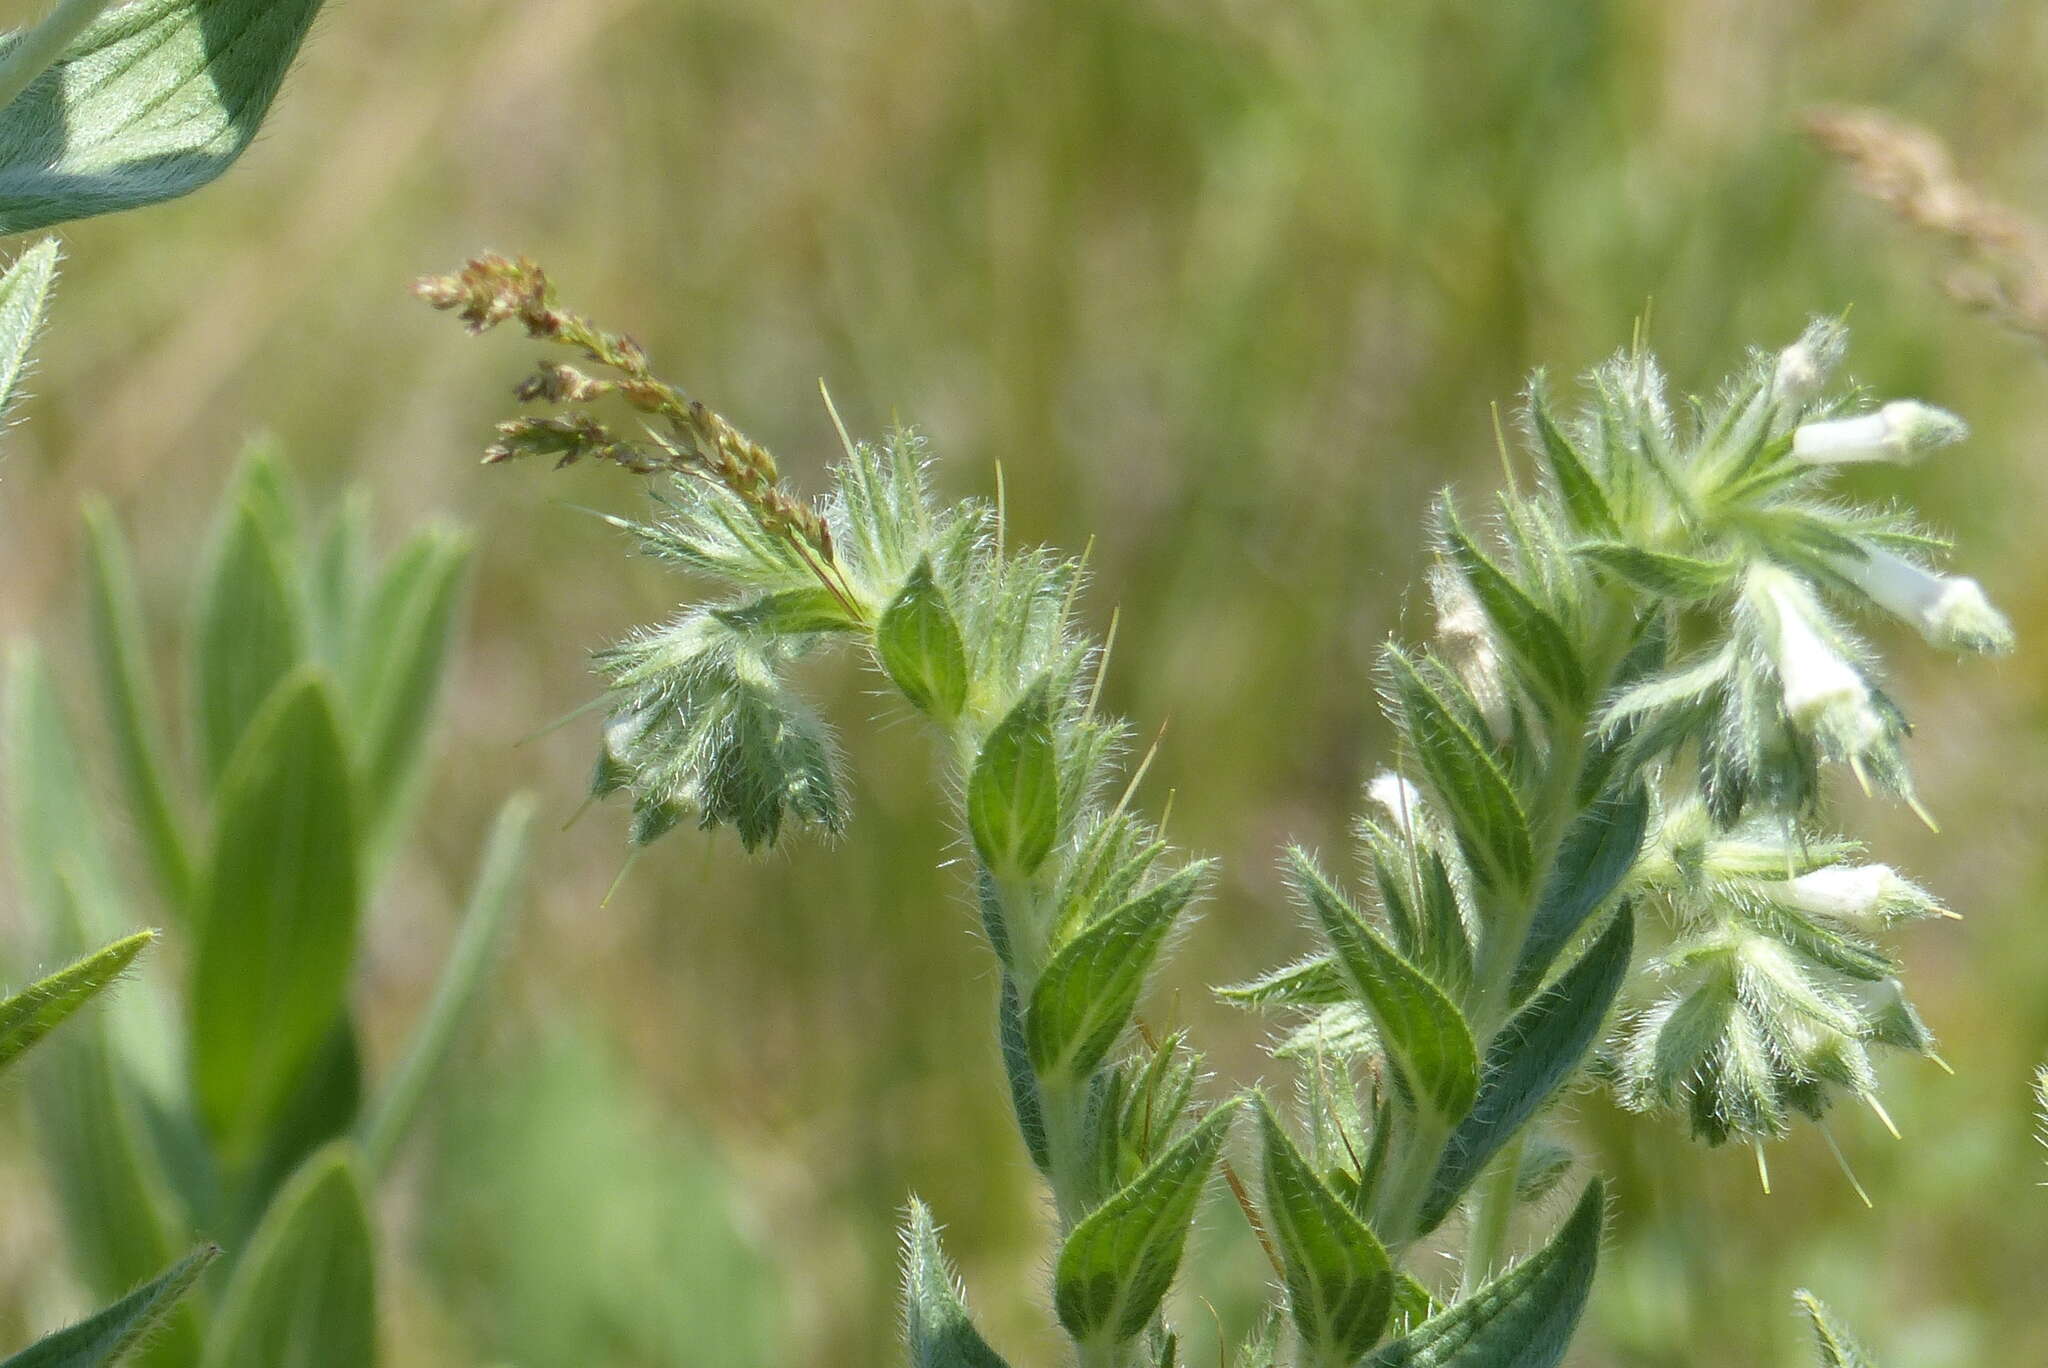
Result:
1503,929
1488,1233
1019,906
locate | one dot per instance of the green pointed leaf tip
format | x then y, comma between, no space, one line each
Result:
918,643
1583,496
34,1012
1524,627
248,635
128,690
279,906
1522,1319
1835,1346
304,1292
1339,1278
402,656
106,1337
935,1321
1013,794
24,299
1118,1263
1084,999
1533,1056
150,102
1425,1035
1476,795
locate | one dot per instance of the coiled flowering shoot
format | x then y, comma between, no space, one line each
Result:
1597,850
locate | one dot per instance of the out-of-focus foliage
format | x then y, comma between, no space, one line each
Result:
233,1107
646,1261
1229,285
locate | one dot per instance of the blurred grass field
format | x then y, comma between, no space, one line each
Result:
1229,286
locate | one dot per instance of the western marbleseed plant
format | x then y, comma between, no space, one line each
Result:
1599,853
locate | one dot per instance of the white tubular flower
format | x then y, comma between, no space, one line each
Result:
1949,610
1824,694
1903,432
1399,799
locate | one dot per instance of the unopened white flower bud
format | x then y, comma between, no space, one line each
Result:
1903,432
622,730
1803,367
1466,639
1823,693
1398,798
1863,895
1854,893
1949,610
1798,375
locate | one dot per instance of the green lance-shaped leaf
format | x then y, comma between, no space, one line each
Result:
491,902
1491,827
34,1012
400,654
1522,1319
1425,1035
1084,999
134,722
304,1293
1661,573
1580,488
1597,852
806,611
1013,794
24,299
276,937
1529,1060
935,1322
1120,1260
1339,1279
65,871
918,643
1836,1347
1312,982
325,1101
1025,1094
1529,634
106,1337
149,102
121,1222
248,635
335,579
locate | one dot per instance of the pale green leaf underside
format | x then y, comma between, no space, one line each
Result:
151,102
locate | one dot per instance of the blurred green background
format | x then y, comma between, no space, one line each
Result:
1227,285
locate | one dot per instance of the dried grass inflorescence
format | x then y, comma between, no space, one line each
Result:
1998,256
691,439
